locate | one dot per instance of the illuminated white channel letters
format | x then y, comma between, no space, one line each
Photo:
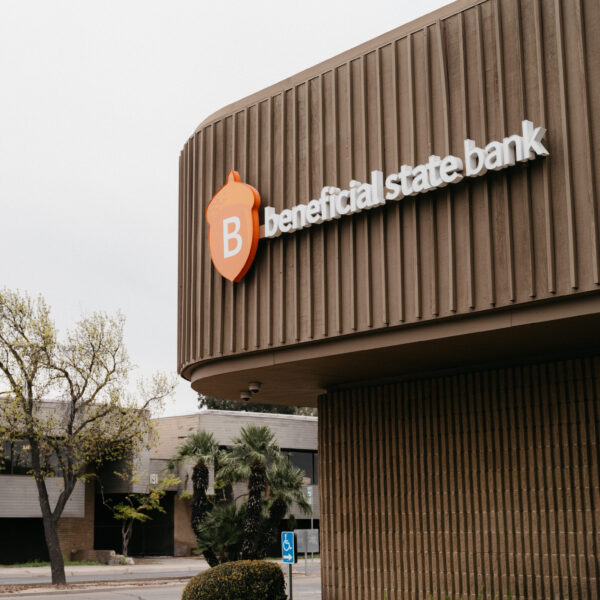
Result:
408,181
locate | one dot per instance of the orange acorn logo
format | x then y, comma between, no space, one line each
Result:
233,227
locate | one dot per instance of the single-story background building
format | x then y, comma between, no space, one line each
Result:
87,525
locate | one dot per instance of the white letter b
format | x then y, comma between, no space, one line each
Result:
474,159
234,234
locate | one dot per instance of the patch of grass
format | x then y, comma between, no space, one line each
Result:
40,563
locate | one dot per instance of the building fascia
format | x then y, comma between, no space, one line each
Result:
300,374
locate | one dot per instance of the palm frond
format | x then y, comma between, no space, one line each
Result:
286,484
200,446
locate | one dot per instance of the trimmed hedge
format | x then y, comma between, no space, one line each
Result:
240,580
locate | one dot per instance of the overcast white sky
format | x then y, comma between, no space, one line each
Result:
96,101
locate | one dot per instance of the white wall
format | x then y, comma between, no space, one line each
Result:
19,497
291,431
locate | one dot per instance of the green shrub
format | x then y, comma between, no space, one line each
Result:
241,580
221,532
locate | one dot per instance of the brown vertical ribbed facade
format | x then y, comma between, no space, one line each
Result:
451,338
476,71
478,484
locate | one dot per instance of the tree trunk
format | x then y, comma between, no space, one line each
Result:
200,502
57,564
256,487
276,514
211,558
201,505
50,521
126,533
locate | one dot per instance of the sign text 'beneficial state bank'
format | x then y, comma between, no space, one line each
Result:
408,181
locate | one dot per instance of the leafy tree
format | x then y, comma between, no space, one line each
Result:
95,419
136,506
285,486
236,405
247,460
202,448
222,530
225,529
222,404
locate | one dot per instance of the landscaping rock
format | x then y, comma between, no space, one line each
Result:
119,559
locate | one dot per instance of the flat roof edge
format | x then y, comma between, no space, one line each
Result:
239,413
260,415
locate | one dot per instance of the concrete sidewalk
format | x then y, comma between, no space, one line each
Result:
145,568
146,572
305,588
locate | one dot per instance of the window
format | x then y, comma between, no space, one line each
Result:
16,458
307,460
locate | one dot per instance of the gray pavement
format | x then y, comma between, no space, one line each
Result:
145,568
305,588
100,577
171,591
155,580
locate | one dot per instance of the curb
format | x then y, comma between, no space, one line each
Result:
99,586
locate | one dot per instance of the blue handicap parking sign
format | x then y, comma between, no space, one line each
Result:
288,552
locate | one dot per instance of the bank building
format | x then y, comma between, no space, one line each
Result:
406,236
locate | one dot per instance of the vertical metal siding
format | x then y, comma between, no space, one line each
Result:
527,233
484,482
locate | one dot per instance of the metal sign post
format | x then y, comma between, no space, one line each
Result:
307,540
306,558
309,494
288,555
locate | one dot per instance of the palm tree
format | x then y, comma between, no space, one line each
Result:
247,459
221,532
202,448
285,486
